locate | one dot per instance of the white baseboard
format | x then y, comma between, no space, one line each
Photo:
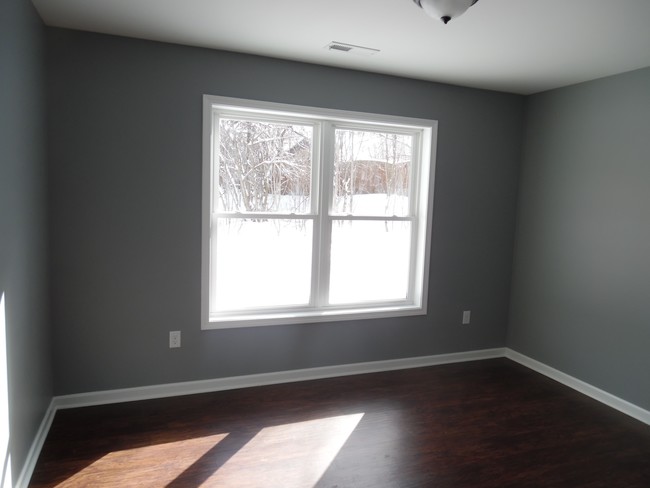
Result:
231,383
35,449
584,388
263,379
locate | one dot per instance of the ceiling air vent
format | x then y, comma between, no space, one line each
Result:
351,48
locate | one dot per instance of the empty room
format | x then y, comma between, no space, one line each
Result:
319,244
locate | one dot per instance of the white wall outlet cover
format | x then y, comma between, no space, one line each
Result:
466,316
175,338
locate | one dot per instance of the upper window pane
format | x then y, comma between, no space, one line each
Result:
264,166
372,173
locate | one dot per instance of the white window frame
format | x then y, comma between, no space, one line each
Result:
325,121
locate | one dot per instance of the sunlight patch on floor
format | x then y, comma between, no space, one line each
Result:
136,467
288,456
293,455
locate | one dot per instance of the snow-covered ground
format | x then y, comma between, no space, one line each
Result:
375,204
265,264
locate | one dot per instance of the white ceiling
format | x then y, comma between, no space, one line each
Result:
519,46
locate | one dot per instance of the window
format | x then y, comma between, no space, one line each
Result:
312,214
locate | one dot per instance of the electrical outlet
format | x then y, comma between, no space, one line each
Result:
466,316
174,338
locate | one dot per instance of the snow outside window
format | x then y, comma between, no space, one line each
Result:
312,214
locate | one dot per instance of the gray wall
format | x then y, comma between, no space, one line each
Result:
23,275
581,285
125,201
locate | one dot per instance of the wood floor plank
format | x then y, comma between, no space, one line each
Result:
489,423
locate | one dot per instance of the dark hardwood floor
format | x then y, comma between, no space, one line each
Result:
487,423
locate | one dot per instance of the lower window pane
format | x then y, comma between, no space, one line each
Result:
369,261
262,263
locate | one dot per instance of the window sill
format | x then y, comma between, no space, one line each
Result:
288,318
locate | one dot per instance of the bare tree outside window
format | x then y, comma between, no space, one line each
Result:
371,172
264,167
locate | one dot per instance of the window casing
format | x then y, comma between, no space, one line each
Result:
312,214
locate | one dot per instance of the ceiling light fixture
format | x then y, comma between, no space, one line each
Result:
445,10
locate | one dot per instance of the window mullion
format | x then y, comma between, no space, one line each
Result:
324,212
316,179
